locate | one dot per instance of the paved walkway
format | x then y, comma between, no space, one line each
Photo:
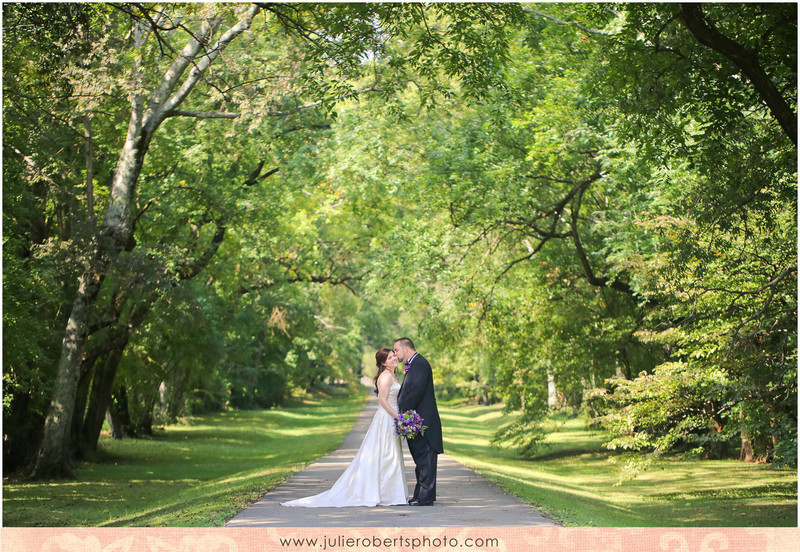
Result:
465,499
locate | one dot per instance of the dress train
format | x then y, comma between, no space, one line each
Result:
376,476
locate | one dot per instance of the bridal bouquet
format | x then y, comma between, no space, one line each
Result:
409,424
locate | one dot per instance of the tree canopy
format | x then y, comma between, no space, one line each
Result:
580,206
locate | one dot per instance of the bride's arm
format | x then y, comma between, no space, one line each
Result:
384,383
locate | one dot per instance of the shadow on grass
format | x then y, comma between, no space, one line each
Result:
571,478
774,490
568,453
198,474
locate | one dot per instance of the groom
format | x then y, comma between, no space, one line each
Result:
416,393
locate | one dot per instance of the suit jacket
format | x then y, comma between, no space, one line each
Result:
416,393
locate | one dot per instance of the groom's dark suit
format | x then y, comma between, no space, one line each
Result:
416,393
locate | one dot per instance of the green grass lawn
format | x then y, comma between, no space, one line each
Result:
204,472
572,480
200,474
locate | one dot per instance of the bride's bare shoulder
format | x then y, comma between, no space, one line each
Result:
386,376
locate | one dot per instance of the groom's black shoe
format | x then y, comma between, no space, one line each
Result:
413,501
418,503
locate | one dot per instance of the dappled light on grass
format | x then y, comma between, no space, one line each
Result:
571,479
292,415
470,415
201,497
186,475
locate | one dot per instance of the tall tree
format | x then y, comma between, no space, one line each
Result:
148,111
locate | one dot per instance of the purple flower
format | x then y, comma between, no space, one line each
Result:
408,424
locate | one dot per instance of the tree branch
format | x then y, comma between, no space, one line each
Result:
566,23
582,257
193,268
202,114
313,278
708,35
199,69
181,62
758,291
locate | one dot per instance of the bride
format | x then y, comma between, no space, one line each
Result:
376,476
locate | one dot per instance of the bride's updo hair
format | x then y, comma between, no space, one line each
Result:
380,360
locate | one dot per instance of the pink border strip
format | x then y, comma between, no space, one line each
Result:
16,539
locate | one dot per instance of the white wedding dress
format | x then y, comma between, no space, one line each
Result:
376,476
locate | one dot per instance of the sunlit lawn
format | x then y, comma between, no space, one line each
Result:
200,474
572,479
203,473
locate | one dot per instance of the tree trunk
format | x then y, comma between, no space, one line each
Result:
82,396
106,370
746,452
552,391
63,217
178,389
626,363
116,231
54,457
119,412
484,395
163,398
142,422
87,125
102,386
113,425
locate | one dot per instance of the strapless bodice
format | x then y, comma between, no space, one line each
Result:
392,397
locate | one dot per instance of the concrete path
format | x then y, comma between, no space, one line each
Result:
464,498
